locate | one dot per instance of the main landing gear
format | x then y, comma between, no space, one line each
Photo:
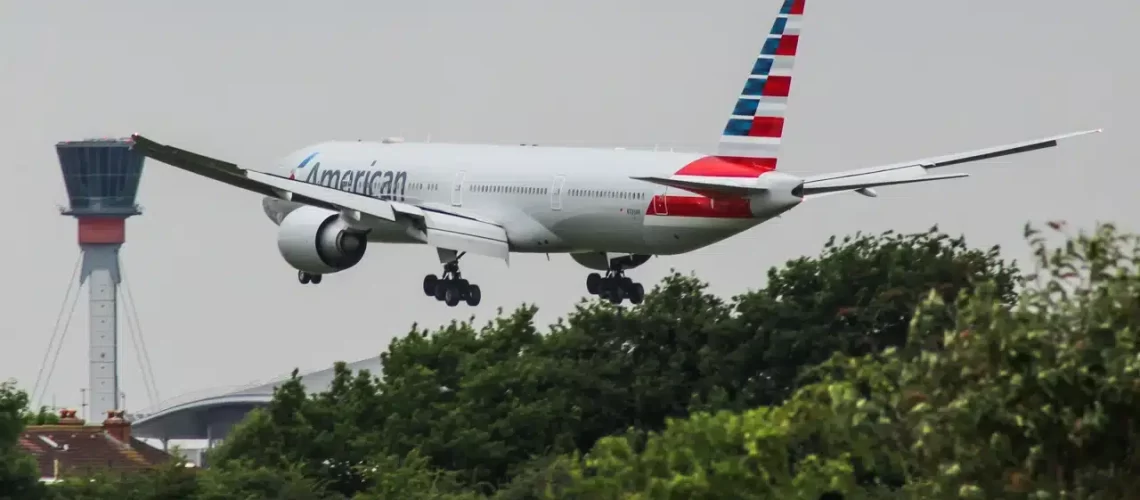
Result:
615,287
451,288
306,278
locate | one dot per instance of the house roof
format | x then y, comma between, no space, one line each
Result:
80,448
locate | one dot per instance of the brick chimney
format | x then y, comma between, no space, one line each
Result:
117,426
67,417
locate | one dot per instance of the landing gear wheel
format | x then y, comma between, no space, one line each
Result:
636,294
303,277
315,279
616,295
450,287
474,295
593,283
615,287
451,295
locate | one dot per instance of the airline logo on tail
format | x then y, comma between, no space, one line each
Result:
750,143
757,123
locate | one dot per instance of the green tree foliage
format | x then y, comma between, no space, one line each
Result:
1031,399
41,417
246,480
19,475
857,297
503,410
488,404
327,436
169,481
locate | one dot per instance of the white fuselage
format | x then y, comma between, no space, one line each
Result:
547,199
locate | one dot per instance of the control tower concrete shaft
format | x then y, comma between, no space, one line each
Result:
102,179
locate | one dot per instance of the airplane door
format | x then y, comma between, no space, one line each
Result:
660,206
556,192
457,189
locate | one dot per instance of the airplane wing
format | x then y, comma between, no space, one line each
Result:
863,179
432,225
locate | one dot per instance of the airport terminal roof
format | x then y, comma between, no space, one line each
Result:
192,416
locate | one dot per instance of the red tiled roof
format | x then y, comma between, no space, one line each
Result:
82,448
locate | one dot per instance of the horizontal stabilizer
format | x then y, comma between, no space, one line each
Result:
908,168
849,185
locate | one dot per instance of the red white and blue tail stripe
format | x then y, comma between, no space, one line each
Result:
757,123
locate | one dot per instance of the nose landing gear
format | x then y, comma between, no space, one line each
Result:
307,278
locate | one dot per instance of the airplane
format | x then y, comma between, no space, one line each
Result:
611,210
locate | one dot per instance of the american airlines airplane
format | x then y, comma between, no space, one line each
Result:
609,209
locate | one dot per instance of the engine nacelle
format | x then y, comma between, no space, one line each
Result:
318,241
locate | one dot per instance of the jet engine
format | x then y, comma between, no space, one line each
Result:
319,241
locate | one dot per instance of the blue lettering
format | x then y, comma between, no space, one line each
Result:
388,185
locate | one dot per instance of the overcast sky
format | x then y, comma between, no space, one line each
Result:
249,81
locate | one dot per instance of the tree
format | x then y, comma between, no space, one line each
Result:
857,297
325,436
246,480
167,481
1035,397
41,417
488,403
19,475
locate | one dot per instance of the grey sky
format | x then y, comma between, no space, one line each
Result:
249,81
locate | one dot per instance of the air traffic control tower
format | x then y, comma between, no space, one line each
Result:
102,179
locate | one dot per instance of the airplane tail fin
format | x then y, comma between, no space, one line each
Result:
756,125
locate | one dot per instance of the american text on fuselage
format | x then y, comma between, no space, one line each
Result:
377,183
